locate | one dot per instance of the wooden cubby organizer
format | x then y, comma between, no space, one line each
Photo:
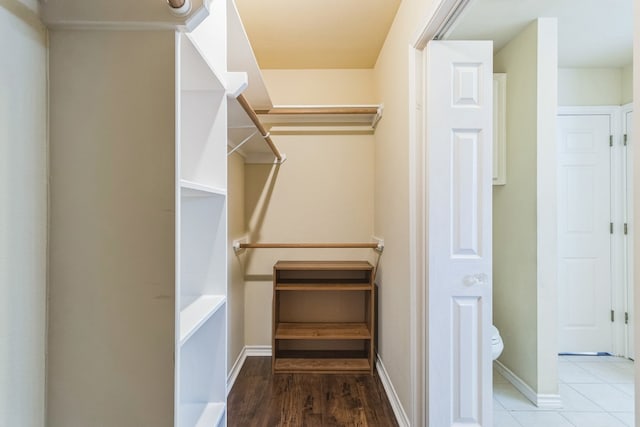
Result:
338,339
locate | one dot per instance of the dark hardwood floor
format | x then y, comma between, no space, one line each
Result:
259,398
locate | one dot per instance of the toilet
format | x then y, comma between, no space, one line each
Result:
496,343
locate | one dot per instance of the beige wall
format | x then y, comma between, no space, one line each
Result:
595,86
348,86
514,211
627,85
524,304
112,229
392,197
236,230
322,193
23,215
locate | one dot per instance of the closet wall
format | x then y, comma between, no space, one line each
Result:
236,230
595,86
322,193
23,214
524,232
112,228
392,197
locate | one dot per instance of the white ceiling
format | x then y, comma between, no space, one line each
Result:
297,34
591,33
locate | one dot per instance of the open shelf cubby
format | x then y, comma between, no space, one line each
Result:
340,338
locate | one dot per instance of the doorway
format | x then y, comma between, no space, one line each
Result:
437,27
599,306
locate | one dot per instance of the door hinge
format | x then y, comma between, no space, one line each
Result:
610,140
612,316
625,228
626,318
624,139
610,228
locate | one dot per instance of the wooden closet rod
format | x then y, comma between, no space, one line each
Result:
256,121
308,245
180,7
176,4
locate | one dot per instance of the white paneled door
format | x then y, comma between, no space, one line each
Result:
459,152
584,233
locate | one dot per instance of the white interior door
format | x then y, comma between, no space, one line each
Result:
584,234
628,241
459,151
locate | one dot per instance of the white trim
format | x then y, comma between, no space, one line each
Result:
247,351
185,22
394,400
417,242
232,376
499,128
258,350
542,401
440,15
628,216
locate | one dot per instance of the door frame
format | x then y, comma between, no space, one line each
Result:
629,345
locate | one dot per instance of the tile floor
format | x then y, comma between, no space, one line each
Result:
596,391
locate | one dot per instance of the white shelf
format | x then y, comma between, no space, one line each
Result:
293,119
193,189
197,313
197,72
201,414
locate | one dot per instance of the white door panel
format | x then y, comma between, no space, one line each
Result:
628,182
459,152
584,260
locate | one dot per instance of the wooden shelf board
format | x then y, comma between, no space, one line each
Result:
322,287
197,313
323,265
323,331
201,414
194,189
322,365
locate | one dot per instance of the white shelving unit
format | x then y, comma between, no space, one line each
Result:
214,63
201,222
138,310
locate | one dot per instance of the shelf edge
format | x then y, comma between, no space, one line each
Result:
195,189
197,313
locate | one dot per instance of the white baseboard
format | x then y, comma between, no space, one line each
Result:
258,350
543,401
398,410
235,370
247,351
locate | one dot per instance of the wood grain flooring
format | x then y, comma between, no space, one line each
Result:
260,399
